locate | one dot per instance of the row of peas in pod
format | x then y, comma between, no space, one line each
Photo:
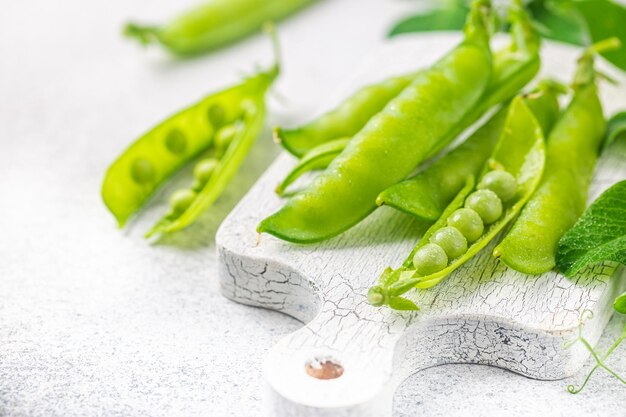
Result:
216,134
467,224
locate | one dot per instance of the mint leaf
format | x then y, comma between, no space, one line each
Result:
599,235
448,18
605,19
557,20
616,128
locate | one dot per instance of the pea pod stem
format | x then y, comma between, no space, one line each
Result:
213,24
520,151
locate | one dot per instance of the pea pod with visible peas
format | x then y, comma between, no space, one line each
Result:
572,149
476,215
222,127
428,193
513,67
214,24
433,108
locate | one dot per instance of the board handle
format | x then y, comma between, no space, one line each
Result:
336,365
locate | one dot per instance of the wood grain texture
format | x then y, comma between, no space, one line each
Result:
482,313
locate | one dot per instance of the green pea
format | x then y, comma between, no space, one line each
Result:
175,141
451,241
225,136
217,115
248,108
468,222
375,296
204,170
429,259
181,200
486,203
142,171
500,182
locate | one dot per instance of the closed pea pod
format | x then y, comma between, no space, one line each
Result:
530,246
513,67
345,120
384,151
156,155
520,151
213,24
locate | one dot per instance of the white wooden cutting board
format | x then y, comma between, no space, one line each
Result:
483,313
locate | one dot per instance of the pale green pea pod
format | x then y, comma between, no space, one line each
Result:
572,149
213,24
520,152
228,164
317,158
162,151
345,120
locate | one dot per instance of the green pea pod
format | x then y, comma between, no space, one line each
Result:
346,119
513,67
317,158
158,154
430,191
520,152
385,150
573,146
213,24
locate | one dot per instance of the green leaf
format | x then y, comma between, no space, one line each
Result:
605,19
599,235
616,128
403,304
620,304
451,17
557,20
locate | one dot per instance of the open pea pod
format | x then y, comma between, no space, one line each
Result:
247,129
223,126
317,158
520,152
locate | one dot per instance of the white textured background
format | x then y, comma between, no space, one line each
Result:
97,322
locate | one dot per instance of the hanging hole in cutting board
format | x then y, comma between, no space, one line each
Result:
323,368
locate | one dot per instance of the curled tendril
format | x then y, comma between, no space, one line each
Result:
599,360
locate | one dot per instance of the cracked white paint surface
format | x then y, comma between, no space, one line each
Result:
483,313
